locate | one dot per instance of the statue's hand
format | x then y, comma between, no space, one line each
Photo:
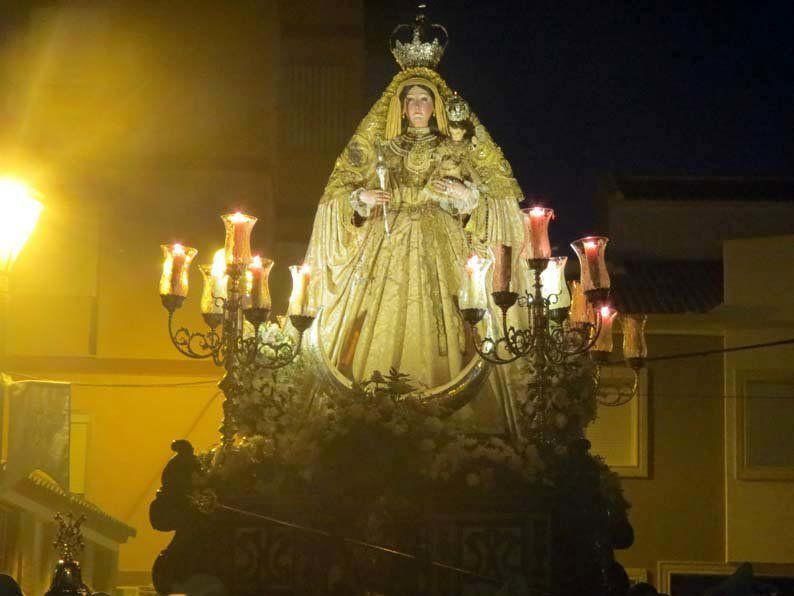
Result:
375,197
452,188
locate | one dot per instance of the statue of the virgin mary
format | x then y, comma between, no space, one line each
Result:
418,188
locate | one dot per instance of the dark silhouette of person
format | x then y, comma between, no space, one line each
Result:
9,586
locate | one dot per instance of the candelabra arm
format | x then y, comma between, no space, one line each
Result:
620,395
488,349
283,354
194,344
588,334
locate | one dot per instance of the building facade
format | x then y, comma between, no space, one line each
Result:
709,260
140,124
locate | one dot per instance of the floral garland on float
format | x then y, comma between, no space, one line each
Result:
336,448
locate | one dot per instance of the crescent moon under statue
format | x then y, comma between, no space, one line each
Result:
450,396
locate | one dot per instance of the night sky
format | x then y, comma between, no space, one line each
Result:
574,90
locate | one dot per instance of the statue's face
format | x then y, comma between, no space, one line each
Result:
456,133
418,107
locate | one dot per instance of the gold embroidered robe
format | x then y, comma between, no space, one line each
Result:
393,301
380,296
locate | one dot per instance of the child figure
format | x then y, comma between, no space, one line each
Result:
454,155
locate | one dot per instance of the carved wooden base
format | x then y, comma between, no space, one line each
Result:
549,542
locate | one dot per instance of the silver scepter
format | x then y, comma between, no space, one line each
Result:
382,172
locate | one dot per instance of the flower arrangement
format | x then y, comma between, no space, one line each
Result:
292,436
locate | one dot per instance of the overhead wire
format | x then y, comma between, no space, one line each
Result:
662,358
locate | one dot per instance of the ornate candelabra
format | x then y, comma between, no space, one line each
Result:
562,325
66,579
235,305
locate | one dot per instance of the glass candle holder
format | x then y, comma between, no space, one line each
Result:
634,345
210,303
176,265
257,291
299,298
536,233
220,280
238,237
592,263
580,307
604,342
553,286
473,293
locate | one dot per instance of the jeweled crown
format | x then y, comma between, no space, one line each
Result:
457,108
419,51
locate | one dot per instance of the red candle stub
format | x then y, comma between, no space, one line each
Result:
503,267
177,265
591,254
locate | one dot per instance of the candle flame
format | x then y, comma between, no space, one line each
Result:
256,262
474,262
178,249
606,312
239,217
305,268
590,244
537,212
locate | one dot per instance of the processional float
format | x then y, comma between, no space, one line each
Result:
565,325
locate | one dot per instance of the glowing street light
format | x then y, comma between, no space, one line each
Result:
19,212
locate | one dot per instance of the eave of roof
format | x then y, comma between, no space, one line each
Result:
49,493
667,287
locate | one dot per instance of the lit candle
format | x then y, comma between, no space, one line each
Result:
502,268
176,264
238,237
473,293
219,277
299,299
209,304
578,314
591,252
258,293
603,342
634,345
552,278
536,232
